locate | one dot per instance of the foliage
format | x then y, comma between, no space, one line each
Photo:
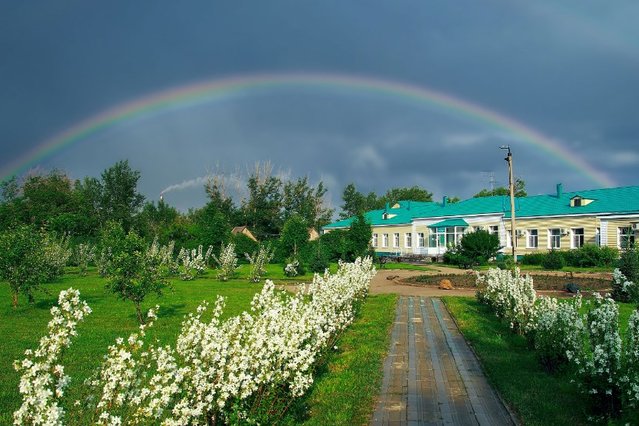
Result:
226,262
335,244
292,268
193,262
22,262
212,227
509,294
301,199
479,246
357,203
83,255
294,237
163,256
318,259
243,244
258,260
358,239
590,255
624,290
629,264
556,329
56,255
553,260
43,381
520,190
133,274
119,197
631,361
261,209
246,369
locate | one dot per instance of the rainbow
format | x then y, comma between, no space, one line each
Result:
220,89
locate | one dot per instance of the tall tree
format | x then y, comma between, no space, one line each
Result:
120,198
301,198
262,208
358,238
355,202
216,189
47,197
520,190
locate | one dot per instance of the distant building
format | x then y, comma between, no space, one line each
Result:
313,234
562,220
243,230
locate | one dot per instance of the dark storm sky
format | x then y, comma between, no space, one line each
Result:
569,69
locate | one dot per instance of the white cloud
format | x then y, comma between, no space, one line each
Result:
624,158
367,157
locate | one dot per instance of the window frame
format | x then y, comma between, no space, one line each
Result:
532,237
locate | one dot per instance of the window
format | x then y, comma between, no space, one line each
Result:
384,240
626,237
493,229
598,236
396,240
446,237
374,240
554,238
577,237
408,240
533,238
420,239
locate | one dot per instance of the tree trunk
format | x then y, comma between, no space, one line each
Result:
139,312
15,299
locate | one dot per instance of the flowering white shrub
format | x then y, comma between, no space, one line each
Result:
511,295
290,270
83,255
103,262
164,256
258,262
57,253
226,263
623,290
599,365
631,361
246,369
557,330
43,379
193,262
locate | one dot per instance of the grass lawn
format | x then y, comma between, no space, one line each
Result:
405,266
345,389
22,328
347,382
537,397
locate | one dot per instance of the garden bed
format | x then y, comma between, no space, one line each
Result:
541,281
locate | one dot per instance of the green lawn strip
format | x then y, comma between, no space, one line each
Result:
538,398
594,269
22,328
406,266
345,390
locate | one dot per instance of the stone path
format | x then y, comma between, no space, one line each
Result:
431,377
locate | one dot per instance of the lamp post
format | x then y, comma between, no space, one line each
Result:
511,186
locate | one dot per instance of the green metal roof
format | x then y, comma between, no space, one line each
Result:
621,200
449,222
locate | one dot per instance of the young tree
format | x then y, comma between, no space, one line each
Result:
294,237
355,202
120,199
132,274
22,261
358,238
478,247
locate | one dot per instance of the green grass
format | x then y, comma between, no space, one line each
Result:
538,398
345,391
406,266
22,328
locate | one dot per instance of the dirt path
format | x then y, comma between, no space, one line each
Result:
388,281
431,376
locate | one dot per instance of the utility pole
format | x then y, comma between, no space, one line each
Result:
511,185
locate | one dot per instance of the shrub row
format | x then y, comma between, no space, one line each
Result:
589,255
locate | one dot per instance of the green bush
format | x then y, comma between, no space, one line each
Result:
533,259
243,244
475,248
553,260
629,264
318,259
334,243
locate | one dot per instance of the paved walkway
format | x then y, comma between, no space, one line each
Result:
431,377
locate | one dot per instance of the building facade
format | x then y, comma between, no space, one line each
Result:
562,220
